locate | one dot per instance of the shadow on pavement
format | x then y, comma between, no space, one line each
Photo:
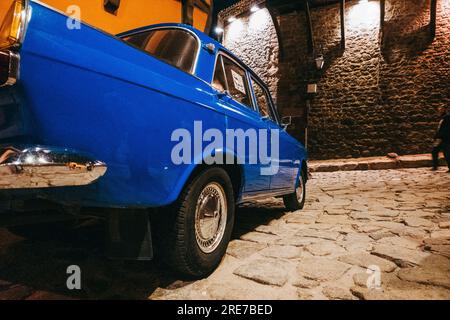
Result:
41,265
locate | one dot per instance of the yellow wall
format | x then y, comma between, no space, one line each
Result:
200,19
4,6
131,14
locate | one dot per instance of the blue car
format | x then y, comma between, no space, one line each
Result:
161,119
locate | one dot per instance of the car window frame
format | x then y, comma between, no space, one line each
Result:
193,70
222,66
247,76
272,108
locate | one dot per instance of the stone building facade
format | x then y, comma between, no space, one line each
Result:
372,99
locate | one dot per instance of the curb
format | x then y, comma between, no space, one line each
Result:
374,163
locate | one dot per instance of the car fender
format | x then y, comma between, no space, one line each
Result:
202,160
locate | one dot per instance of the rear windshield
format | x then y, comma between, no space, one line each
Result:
174,46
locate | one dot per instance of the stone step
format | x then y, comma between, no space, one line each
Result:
373,163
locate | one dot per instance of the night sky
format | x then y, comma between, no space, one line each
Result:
222,4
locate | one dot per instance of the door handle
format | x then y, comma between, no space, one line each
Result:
223,95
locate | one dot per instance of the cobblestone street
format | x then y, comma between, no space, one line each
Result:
354,224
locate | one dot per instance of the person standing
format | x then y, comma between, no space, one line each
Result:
442,138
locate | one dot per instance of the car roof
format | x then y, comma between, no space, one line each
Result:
204,39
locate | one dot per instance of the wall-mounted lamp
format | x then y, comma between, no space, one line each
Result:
218,30
255,8
232,19
320,61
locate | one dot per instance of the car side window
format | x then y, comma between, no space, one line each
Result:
263,100
174,46
235,79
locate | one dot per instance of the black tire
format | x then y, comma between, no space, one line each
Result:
176,227
292,201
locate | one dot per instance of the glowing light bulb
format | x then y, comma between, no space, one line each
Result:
255,8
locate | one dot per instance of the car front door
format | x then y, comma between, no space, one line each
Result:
282,150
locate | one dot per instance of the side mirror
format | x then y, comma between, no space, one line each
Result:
286,122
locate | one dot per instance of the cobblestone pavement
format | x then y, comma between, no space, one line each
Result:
357,227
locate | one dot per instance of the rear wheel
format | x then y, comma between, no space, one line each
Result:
296,201
196,230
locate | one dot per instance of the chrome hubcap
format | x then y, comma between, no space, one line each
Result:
299,190
210,217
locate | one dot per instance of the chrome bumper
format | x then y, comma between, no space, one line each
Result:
45,167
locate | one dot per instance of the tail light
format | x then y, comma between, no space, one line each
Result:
13,26
12,31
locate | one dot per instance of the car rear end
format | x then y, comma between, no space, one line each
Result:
24,162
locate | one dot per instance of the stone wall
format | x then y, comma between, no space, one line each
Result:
253,38
372,99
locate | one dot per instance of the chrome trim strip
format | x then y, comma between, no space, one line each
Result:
25,18
261,195
45,167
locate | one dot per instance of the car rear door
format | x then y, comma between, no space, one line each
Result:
232,84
